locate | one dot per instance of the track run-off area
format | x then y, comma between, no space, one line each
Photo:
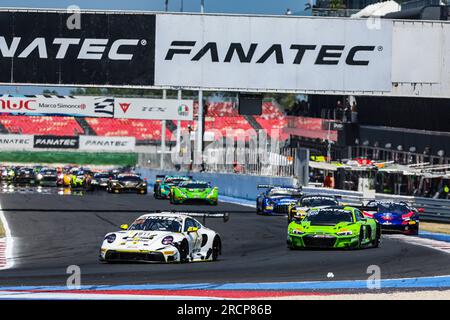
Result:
50,232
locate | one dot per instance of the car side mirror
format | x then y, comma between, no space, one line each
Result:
124,227
421,210
192,229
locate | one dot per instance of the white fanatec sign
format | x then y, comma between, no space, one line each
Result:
16,142
273,53
154,109
107,144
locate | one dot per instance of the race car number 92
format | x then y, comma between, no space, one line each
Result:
246,309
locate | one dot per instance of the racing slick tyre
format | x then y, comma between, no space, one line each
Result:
216,248
183,248
377,242
360,238
414,231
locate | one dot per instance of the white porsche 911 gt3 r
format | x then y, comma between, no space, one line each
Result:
163,237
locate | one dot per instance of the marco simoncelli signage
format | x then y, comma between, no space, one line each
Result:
56,142
153,109
13,142
107,144
81,106
273,53
40,47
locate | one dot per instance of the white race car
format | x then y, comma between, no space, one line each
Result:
164,237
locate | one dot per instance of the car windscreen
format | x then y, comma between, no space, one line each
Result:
195,185
157,224
175,181
393,208
329,217
284,193
318,202
101,176
48,172
130,178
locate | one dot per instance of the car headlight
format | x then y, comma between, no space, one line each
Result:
167,240
297,231
344,233
40,176
110,238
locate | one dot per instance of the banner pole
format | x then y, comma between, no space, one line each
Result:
179,126
163,136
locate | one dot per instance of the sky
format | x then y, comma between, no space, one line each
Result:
212,6
272,7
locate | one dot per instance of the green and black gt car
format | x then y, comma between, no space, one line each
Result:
334,227
194,191
162,189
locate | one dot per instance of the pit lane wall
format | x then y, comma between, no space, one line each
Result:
232,185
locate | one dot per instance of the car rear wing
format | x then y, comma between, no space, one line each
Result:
197,214
267,186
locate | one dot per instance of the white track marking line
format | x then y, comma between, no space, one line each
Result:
6,245
425,242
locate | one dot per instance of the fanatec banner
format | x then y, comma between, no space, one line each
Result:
56,142
273,53
107,144
70,48
16,142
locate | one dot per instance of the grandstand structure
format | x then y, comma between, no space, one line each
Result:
220,117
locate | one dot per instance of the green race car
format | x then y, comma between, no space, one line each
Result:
334,227
194,191
162,189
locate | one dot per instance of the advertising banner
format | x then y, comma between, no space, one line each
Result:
16,142
56,142
273,53
45,47
154,109
107,144
81,106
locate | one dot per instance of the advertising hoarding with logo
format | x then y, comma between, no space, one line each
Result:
39,47
82,106
153,109
16,142
273,53
107,144
56,142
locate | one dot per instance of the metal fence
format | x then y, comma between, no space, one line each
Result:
244,160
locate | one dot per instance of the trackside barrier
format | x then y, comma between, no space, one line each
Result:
245,187
232,185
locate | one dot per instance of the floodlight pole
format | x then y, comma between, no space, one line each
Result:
163,122
179,127
199,150
163,136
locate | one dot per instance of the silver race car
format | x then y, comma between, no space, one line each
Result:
164,237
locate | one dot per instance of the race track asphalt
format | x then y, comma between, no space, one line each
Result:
52,232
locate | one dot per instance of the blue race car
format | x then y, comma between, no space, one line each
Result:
394,216
277,200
